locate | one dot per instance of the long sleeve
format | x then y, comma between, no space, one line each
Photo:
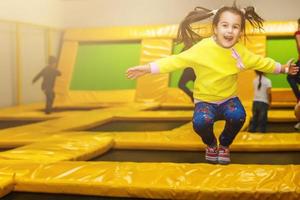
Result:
187,58
260,63
38,76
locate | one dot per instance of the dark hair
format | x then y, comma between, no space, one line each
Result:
259,73
188,36
299,21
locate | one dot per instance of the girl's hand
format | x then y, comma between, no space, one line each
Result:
135,72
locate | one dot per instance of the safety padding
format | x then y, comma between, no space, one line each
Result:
36,111
6,184
282,116
282,97
23,135
152,88
61,148
182,138
158,180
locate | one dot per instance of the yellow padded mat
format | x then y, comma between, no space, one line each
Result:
61,148
158,180
6,184
182,138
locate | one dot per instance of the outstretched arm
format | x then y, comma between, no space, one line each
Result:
135,72
289,68
38,76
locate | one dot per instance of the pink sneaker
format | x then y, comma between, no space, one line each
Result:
211,154
223,155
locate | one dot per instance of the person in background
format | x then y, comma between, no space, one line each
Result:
294,80
262,100
49,74
216,60
187,75
297,115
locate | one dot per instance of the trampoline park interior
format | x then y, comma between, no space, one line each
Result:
114,138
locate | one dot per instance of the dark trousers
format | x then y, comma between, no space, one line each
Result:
206,114
294,80
50,96
260,117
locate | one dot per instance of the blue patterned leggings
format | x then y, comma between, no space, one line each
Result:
206,114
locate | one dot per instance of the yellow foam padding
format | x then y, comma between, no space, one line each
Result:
23,135
282,115
66,64
158,180
271,28
183,138
6,184
152,88
176,96
35,111
61,148
283,95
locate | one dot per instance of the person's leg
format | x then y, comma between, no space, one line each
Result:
293,81
49,101
263,117
184,79
234,114
254,120
203,121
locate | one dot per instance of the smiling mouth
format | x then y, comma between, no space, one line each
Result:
228,39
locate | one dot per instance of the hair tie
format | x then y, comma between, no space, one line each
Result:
214,11
243,10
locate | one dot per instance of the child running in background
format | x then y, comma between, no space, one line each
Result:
262,100
49,74
216,61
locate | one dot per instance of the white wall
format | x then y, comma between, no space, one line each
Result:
98,13
33,46
43,12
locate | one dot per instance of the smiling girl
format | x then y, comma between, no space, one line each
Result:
216,60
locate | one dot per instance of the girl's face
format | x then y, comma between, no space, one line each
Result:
228,30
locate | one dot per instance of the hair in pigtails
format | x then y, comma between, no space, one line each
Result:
259,73
254,19
186,34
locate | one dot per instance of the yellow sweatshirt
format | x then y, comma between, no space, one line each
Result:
216,68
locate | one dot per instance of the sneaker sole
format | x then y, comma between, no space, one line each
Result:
224,161
211,159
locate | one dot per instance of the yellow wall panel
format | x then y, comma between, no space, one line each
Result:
66,65
152,88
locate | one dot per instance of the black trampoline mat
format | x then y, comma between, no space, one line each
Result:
139,125
283,108
172,108
281,127
270,158
14,123
49,196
